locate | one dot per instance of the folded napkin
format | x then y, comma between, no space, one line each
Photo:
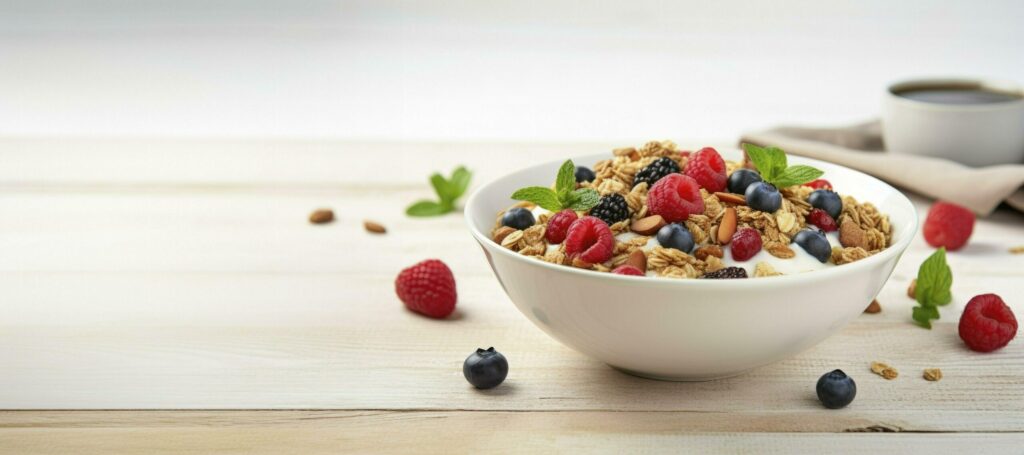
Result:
860,147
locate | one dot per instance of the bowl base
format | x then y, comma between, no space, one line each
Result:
656,377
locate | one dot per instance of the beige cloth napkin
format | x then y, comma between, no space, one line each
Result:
860,147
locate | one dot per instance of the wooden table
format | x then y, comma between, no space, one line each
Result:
170,296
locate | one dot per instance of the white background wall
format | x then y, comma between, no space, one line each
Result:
465,70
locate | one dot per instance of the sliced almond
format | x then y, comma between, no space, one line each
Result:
638,259
786,221
511,239
851,235
374,227
731,198
503,232
649,225
728,226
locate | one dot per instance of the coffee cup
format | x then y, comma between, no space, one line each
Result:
974,122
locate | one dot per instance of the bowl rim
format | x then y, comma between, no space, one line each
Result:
892,252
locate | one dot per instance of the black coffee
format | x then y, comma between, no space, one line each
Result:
957,95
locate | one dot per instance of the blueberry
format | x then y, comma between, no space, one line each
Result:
828,201
836,389
485,368
740,179
676,236
764,197
584,174
518,218
814,243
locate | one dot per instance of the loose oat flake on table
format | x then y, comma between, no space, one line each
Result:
682,211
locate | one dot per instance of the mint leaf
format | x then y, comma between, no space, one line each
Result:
778,161
796,175
566,180
427,208
934,280
583,199
443,189
544,197
763,160
460,181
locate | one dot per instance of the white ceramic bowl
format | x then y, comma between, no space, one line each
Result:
689,329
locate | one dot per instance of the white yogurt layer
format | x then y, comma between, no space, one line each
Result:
802,262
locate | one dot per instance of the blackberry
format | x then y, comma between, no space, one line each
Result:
728,272
611,209
655,171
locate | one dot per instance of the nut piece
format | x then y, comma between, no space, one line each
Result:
851,235
779,250
884,370
873,308
638,259
764,269
728,226
911,290
703,252
580,263
731,198
374,227
511,239
932,374
786,221
321,216
649,225
1017,250
503,232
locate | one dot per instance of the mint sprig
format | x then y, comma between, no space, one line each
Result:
448,191
771,164
564,196
934,280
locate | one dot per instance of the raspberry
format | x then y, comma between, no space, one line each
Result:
987,323
745,244
427,288
611,209
558,226
948,225
655,171
728,272
626,269
590,239
820,184
821,218
708,169
675,197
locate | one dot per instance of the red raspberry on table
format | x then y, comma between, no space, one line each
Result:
987,323
590,239
821,218
626,269
558,226
820,184
948,225
675,197
708,168
745,244
427,288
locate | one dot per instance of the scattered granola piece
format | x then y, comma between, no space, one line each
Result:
321,216
374,227
764,269
512,239
779,250
873,308
1017,250
851,235
932,374
501,233
581,264
884,370
912,288
703,252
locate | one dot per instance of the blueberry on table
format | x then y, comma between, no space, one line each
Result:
828,201
485,368
584,174
676,236
836,389
518,218
741,179
814,243
764,197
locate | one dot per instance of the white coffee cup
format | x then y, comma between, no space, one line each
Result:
985,133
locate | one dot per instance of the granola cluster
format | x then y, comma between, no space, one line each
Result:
864,230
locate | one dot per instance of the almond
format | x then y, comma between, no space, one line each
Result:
649,225
638,259
728,226
581,264
503,232
374,227
873,308
703,252
731,198
321,216
912,289
851,235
